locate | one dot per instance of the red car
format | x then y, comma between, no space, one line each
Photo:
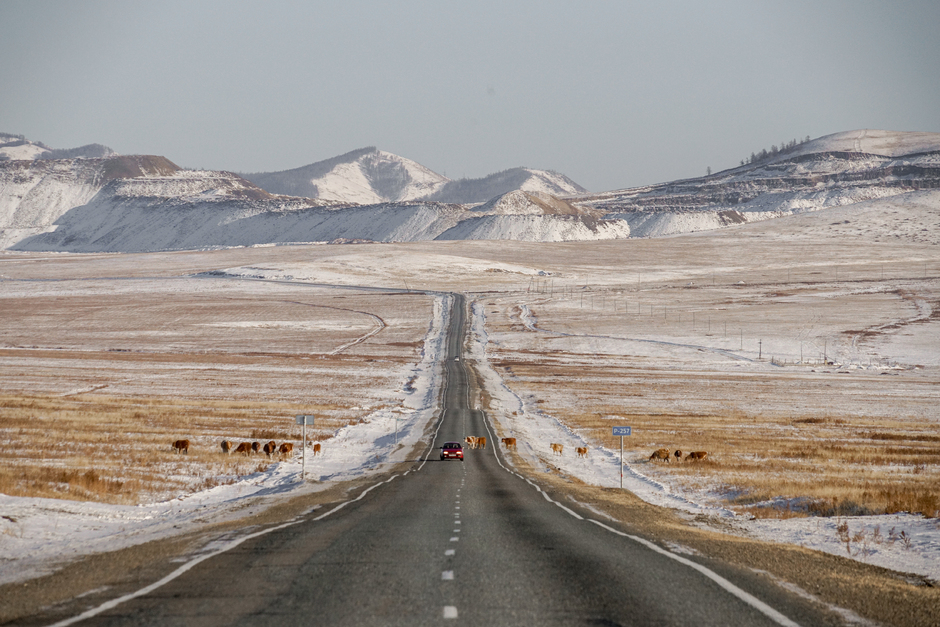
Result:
452,450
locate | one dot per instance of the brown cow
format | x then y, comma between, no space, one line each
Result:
244,447
582,451
181,446
678,455
226,447
256,447
696,455
270,448
481,442
471,441
510,443
558,448
286,448
316,448
660,454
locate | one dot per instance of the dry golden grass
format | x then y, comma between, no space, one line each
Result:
790,464
118,450
827,439
100,377
674,339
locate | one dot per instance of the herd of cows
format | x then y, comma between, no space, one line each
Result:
663,455
270,449
474,442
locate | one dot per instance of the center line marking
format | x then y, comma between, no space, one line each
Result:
450,611
455,539
447,575
449,552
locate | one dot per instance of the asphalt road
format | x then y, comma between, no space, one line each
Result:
453,542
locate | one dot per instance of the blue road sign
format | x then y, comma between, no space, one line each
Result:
621,430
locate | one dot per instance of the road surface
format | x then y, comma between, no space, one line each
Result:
450,542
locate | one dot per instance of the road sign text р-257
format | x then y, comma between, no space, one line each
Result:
621,430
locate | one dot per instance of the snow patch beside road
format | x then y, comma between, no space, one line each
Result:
901,542
38,536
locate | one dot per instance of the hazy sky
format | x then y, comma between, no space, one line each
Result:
612,94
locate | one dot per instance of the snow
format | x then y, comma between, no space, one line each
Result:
196,210
40,535
544,181
540,228
876,142
900,542
365,177
69,205
22,152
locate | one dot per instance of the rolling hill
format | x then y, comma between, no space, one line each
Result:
147,203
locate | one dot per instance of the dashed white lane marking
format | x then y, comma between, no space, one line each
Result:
456,522
447,575
450,552
455,539
450,611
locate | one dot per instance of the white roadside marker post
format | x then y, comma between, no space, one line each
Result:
621,431
304,419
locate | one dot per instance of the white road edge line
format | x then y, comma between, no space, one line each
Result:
721,581
748,598
194,562
190,564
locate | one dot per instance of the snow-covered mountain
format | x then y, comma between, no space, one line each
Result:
832,171
469,191
90,204
34,194
17,147
365,176
369,176
145,203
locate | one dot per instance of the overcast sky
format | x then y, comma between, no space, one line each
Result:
612,94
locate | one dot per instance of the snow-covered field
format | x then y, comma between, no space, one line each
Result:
858,285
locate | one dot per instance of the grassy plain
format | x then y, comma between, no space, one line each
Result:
803,354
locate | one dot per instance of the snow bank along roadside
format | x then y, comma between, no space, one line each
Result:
39,535
901,542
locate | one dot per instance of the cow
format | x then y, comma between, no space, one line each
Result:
481,442
244,447
286,448
471,441
316,448
558,448
582,451
270,448
696,456
660,454
510,443
678,455
256,447
181,446
226,447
